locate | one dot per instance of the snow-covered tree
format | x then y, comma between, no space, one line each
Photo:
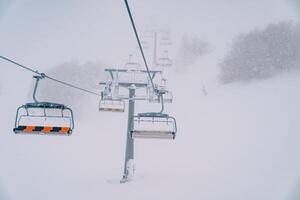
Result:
262,53
191,47
86,76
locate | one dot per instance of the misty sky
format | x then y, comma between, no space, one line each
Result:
47,33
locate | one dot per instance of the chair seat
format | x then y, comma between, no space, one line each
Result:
43,129
152,134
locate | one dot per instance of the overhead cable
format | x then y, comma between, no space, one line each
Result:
49,77
139,43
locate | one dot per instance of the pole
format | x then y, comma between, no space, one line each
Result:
129,153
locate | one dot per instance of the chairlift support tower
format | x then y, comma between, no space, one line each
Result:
158,41
132,84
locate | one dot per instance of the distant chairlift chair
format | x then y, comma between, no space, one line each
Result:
131,65
164,62
43,118
110,104
167,95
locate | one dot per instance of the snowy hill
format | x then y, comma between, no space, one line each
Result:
238,142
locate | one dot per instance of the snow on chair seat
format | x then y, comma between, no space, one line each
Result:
112,105
111,109
152,134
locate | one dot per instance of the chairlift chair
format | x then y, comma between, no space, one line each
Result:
108,103
164,62
111,105
165,41
144,44
165,38
131,65
43,118
153,126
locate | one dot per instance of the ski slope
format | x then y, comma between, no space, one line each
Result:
241,141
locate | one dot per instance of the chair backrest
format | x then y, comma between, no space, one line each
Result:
38,119
154,127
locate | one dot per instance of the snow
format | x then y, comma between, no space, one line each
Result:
241,141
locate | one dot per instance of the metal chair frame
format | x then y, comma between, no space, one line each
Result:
45,106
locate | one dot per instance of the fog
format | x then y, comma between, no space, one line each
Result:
238,142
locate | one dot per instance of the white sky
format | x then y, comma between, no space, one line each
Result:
46,33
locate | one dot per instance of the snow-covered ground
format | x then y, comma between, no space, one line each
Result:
241,141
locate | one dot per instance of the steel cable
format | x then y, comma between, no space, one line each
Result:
49,77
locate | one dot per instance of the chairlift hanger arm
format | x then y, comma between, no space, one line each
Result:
38,78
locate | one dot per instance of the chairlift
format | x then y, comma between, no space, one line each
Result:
109,104
154,125
43,118
165,38
164,61
131,65
144,44
166,42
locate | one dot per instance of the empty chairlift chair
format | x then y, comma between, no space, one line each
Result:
153,125
43,118
109,104
164,62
